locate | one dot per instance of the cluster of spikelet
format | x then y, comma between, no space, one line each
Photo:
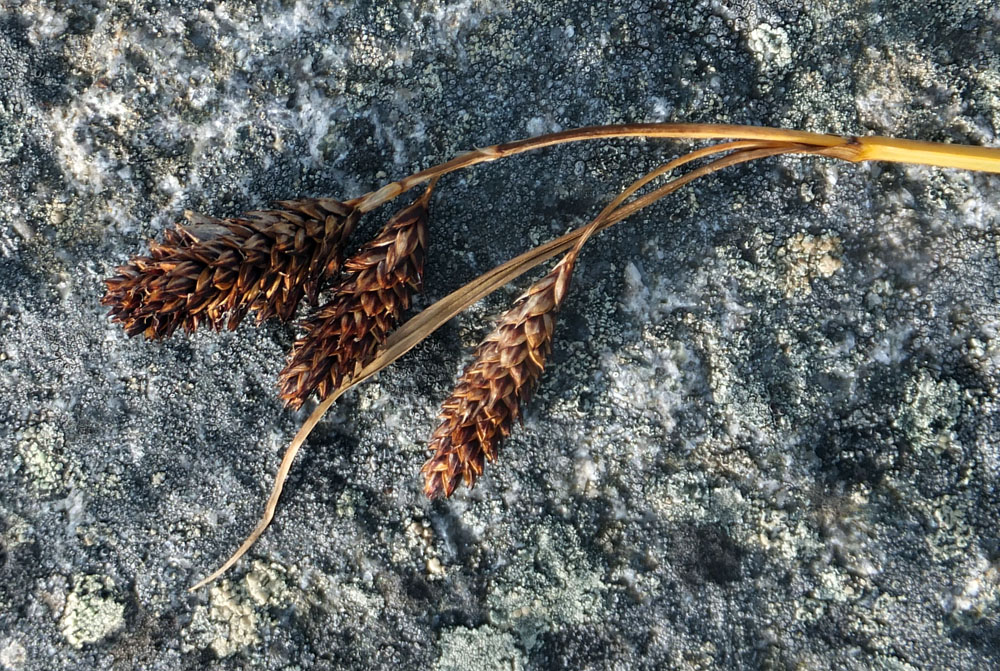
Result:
213,272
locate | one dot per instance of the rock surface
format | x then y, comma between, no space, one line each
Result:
768,434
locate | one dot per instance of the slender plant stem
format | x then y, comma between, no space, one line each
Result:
600,219
431,318
272,501
286,463
673,165
848,148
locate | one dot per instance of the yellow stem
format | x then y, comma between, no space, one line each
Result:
848,148
963,157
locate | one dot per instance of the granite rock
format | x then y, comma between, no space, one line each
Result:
767,437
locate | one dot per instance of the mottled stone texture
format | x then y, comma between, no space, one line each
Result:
767,435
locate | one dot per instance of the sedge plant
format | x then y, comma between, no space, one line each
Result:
213,272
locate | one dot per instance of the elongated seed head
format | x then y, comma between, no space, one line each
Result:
212,272
489,396
346,333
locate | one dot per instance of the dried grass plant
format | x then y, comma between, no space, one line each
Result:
214,272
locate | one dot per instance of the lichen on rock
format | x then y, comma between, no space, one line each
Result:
92,613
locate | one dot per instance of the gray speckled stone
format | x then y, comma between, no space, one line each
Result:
767,438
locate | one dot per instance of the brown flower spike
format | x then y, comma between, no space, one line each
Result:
212,272
487,400
345,334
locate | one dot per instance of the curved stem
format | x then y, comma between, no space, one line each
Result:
453,303
272,501
407,336
286,461
848,148
600,219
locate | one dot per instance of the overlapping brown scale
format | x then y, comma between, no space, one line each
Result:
212,272
345,334
489,396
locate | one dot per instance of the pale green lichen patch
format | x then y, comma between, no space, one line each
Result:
230,621
12,655
929,411
549,584
266,584
952,535
785,538
977,596
17,531
227,624
808,257
770,46
38,448
417,545
91,612
482,649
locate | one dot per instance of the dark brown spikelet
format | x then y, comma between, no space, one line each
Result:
487,400
212,272
345,334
